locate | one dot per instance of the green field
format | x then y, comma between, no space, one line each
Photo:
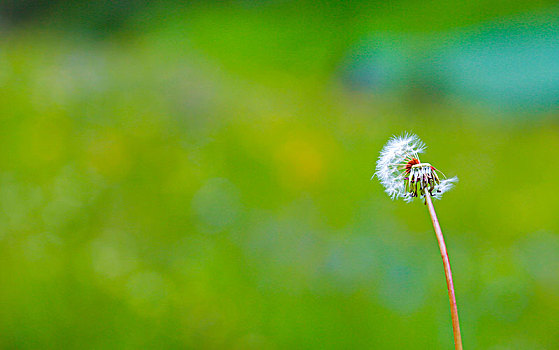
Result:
198,176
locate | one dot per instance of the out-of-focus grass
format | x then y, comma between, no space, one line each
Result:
154,194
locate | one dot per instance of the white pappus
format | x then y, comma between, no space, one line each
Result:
403,175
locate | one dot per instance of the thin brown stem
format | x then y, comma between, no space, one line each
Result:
448,273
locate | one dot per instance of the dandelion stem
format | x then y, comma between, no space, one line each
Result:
448,273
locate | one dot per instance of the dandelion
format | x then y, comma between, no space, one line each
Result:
403,175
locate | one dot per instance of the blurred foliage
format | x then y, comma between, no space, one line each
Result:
199,178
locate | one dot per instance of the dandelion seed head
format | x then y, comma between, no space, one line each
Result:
403,175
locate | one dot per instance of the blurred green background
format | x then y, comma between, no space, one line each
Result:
197,175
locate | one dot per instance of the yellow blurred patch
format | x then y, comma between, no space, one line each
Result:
107,154
303,160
